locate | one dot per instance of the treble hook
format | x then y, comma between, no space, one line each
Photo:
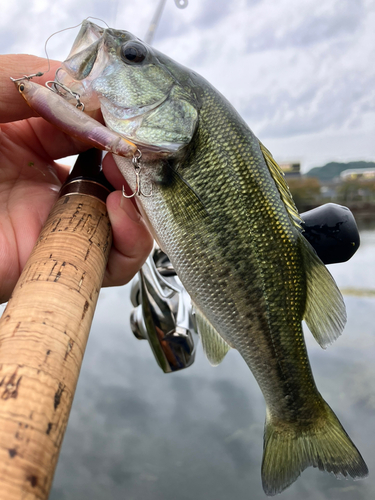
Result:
53,85
137,170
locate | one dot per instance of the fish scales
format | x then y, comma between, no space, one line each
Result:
243,239
222,212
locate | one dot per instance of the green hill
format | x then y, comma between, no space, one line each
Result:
334,169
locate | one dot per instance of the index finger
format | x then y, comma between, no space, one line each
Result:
12,107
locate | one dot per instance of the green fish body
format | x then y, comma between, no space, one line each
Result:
222,212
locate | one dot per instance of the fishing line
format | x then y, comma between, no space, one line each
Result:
66,29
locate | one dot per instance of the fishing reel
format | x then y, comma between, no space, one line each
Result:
163,313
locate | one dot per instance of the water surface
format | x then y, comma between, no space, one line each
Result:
137,434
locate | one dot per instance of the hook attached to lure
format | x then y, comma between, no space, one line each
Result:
53,86
137,170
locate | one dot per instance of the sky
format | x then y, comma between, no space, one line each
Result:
300,72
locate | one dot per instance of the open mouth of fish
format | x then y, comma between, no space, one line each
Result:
88,60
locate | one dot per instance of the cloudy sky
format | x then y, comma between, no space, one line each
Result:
300,72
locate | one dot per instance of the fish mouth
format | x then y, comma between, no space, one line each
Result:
88,34
88,59
84,63
84,52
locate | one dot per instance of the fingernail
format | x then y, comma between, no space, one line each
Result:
130,210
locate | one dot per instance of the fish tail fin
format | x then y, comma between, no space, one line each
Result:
289,449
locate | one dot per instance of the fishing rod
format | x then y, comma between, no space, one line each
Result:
45,327
149,37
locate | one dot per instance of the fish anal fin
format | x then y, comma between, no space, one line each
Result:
290,449
214,346
325,313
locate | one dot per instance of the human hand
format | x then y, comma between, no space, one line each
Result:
30,180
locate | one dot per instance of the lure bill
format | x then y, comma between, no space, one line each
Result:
71,120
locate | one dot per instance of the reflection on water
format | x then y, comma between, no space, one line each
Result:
138,434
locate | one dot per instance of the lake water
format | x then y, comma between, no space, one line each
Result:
137,434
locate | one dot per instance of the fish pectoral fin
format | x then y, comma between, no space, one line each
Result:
290,448
185,204
325,312
285,194
214,346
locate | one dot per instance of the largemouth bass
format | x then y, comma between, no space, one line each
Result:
222,212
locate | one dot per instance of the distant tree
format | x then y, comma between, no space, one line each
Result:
305,191
334,169
356,190
348,191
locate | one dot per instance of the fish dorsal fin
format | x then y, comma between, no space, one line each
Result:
214,346
282,186
325,313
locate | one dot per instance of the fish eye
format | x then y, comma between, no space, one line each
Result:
133,52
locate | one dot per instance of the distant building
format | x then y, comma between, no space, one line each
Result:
291,169
360,174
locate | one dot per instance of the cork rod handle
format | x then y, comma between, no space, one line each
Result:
43,335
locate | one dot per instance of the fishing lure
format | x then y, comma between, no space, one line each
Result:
71,120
